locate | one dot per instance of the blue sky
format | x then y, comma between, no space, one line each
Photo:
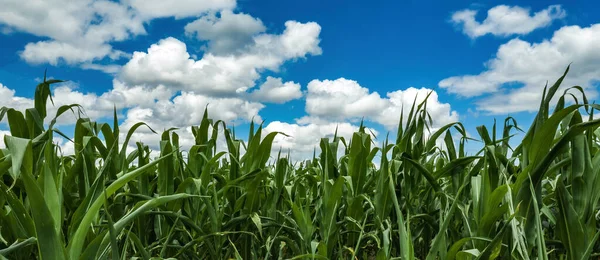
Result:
303,67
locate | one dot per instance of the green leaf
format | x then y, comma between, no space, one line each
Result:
49,243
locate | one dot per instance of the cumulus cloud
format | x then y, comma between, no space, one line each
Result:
94,106
345,99
303,139
527,67
222,79
63,95
178,8
400,101
341,98
187,109
8,99
82,31
274,90
503,20
166,87
340,103
226,34
169,63
154,119
53,52
159,107
78,30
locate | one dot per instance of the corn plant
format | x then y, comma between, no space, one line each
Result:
420,196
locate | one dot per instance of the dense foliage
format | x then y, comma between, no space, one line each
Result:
424,199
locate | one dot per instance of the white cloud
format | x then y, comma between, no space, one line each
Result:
178,8
187,109
98,107
504,20
341,103
169,88
298,40
402,100
108,69
52,52
65,94
82,31
345,99
183,111
221,81
526,67
129,96
94,106
168,62
159,106
152,140
226,34
8,99
78,30
341,98
274,90
166,86
303,139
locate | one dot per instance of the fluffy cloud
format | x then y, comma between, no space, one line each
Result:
346,99
274,90
341,98
81,31
528,66
187,109
160,122
226,34
304,135
8,99
63,95
221,79
169,63
129,96
505,20
166,87
94,106
400,101
339,103
78,30
102,106
178,8
158,107
53,52
303,139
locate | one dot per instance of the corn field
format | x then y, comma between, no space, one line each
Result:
418,197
